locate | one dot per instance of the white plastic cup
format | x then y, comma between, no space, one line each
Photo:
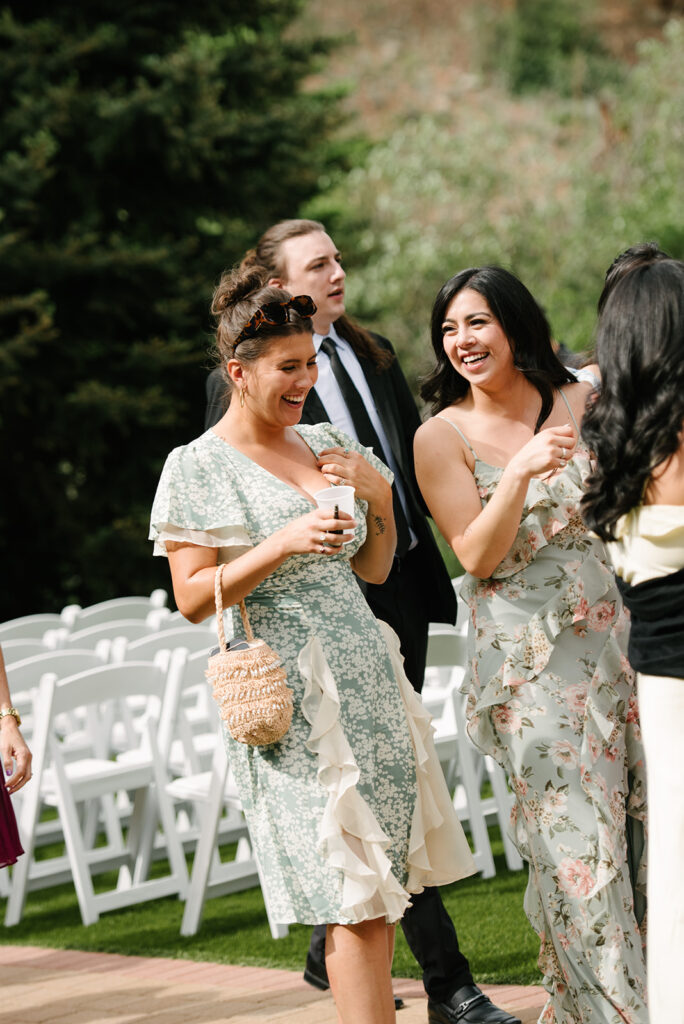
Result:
343,497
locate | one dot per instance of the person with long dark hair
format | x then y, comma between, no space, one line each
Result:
635,502
640,255
550,691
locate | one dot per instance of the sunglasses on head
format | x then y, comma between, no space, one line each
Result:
276,314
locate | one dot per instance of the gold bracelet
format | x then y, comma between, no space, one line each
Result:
10,711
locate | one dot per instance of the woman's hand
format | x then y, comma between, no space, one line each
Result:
13,748
316,532
546,452
342,467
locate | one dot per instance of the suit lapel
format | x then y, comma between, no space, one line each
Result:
389,416
314,411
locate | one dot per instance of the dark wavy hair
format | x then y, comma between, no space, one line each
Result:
635,421
639,255
524,324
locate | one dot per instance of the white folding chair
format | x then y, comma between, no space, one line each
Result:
28,627
465,767
98,777
195,734
120,608
193,638
189,746
25,674
210,877
209,813
24,678
17,650
130,629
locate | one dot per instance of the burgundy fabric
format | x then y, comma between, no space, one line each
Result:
10,846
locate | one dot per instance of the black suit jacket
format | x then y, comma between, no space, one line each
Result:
217,398
400,418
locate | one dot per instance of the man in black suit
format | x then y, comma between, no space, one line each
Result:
362,390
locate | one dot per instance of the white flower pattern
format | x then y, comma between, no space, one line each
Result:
223,499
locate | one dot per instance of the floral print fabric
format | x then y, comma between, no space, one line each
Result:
345,811
551,696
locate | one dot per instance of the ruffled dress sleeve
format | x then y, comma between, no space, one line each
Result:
197,503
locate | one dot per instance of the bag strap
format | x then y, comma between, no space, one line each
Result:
218,595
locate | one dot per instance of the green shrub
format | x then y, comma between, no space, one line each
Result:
550,187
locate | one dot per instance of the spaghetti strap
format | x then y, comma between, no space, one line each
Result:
458,431
572,415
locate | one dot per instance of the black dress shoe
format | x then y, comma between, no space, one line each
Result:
316,975
468,1005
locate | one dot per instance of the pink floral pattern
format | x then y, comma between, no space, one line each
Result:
551,696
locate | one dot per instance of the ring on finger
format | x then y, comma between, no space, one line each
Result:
346,452
561,463
323,537
564,452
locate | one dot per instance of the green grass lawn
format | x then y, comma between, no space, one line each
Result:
492,928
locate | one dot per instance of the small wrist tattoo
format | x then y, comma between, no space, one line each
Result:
379,525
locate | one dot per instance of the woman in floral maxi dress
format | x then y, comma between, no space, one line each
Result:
550,691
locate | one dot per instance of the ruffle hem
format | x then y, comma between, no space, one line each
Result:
350,837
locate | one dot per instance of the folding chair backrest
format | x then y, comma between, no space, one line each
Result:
132,629
17,650
193,638
446,647
108,682
28,627
26,674
120,608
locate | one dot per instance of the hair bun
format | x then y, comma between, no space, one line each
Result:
237,284
249,260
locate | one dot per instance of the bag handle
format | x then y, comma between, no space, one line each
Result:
218,596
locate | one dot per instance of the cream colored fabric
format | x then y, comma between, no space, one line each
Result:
661,705
650,543
231,541
355,841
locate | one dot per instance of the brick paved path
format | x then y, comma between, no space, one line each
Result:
45,986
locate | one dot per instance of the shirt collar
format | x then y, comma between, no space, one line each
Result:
319,338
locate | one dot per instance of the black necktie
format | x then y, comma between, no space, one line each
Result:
366,433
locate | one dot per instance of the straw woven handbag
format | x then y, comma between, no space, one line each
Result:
249,683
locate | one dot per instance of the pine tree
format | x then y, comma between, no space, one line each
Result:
145,145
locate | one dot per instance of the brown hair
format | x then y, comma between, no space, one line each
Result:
266,259
239,294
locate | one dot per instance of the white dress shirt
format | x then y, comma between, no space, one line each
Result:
328,390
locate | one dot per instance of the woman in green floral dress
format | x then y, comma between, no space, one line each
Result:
550,691
349,812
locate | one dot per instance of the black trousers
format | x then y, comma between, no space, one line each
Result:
428,929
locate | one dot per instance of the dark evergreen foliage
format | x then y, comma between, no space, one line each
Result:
145,145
